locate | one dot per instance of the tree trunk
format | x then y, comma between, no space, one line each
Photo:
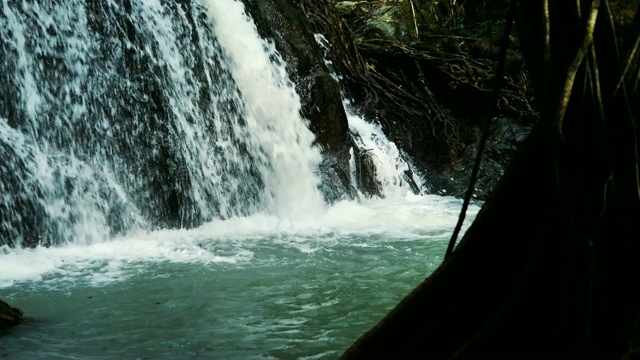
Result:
550,265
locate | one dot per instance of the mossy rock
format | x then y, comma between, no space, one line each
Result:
354,8
395,20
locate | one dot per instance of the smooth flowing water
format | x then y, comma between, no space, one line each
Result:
122,121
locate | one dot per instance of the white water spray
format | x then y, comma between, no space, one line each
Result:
392,168
144,114
273,107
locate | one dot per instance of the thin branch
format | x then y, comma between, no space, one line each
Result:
415,22
635,84
547,31
636,141
638,178
575,65
613,27
436,36
628,65
597,91
485,133
579,10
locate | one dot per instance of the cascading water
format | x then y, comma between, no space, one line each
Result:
393,174
272,113
144,114
372,153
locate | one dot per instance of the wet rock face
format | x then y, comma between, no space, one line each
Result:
9,316
506,137
429,90
285,23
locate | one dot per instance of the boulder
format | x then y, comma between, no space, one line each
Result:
9,316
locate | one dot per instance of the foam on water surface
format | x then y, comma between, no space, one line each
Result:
369,223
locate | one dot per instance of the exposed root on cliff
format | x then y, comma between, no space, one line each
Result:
425,94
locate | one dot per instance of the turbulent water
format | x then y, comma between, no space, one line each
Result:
120,121
253,287
118,117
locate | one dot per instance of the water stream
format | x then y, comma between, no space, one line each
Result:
157,150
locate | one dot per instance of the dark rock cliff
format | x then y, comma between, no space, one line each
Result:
9,316
405,66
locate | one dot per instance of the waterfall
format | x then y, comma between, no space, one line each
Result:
391,170
140,114
273,107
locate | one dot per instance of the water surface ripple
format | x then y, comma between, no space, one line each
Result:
254,287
